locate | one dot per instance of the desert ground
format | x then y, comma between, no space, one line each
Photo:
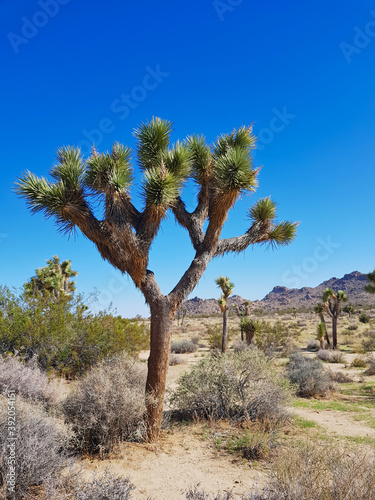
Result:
194,454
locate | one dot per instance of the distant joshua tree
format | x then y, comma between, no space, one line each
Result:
123,234
332,303
52,280
226,287
319,309
370,287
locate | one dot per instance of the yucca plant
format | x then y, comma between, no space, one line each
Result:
226,286
222,172
332,302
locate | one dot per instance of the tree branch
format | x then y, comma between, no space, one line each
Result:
189,221
257,233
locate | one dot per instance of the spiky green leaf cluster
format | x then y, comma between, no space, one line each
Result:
109,171
153,139
370,287
233,171
264,210
70,169
160,188
225,284
201,158
283,233
241,138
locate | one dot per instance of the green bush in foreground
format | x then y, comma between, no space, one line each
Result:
237,386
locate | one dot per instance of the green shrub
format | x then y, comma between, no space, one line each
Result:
215,336
108,405
309,376
276,338
363,318
359,362
237,386
62,335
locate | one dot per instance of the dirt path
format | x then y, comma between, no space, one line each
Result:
180,460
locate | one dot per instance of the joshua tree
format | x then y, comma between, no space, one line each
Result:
370,287
226,286
349,309
250,328
52,280
242,314
319,309
321,333
222,172
332,303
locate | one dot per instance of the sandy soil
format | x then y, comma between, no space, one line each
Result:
178,461
183,459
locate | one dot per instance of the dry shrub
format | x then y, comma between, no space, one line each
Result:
359,362
371,368
183,346
339,377
197,494
237,386
39,446
324,355
26,380
309,376
321,473
312,345
330,356
108,404
240,345
256,442
174,360
105,487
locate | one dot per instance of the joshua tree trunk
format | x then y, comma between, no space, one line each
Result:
334,332
161,322
225,331
321,340
322,319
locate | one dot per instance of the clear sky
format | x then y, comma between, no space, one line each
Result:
74,72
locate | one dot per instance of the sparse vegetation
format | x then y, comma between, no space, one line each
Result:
236,386
183,346
107,405
309,376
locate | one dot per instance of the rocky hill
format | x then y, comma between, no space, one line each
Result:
284,298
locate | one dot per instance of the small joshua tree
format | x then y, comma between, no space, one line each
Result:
332,303
124,234
319,309
226,286
370,287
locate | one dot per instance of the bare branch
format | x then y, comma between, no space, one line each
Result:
258,233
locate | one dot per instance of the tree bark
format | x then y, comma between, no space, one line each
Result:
322,319
334,332
225,331
160,338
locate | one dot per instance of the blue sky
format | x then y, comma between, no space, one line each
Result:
303,72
